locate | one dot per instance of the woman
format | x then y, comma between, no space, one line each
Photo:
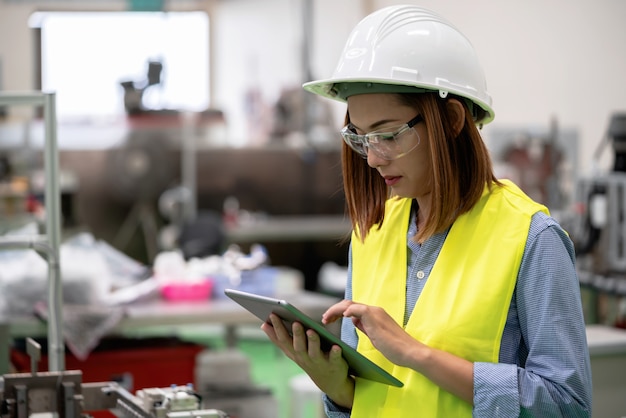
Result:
459,284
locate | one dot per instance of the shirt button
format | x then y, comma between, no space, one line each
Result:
420,275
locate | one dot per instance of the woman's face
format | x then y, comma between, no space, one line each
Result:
409,175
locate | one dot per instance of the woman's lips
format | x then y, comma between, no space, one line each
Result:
391,180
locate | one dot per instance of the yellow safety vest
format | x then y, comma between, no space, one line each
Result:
463,306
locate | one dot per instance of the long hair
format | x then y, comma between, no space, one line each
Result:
461,168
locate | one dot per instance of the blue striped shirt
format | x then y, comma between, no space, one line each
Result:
544,366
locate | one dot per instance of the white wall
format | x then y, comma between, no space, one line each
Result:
256,46
558,58
561,58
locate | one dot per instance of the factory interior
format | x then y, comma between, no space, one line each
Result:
154,153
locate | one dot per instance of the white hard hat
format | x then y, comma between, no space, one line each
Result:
406,48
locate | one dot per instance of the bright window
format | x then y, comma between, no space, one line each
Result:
85,56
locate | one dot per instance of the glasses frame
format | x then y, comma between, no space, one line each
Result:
361,143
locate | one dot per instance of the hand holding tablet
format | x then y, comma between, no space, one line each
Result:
263,306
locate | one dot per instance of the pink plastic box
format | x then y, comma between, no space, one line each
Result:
187,291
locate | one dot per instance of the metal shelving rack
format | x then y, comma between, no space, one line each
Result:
48,244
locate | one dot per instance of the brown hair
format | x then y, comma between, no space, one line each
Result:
461,169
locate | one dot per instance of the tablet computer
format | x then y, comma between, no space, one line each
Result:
263,306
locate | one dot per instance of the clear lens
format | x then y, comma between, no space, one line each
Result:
387,145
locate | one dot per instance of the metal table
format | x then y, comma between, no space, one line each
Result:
162,313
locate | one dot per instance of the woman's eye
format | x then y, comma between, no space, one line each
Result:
385,137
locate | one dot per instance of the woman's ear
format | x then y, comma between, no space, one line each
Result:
456,111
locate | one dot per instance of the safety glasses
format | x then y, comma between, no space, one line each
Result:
392,144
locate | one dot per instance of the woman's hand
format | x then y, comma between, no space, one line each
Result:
450,372
329,370
386,334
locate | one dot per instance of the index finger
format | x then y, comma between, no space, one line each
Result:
336,311
355,310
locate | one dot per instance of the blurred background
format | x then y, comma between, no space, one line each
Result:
130,74
183,128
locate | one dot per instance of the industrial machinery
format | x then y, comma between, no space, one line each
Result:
63,394
600,230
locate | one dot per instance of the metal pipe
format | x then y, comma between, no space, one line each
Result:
56,348
24,98
189,166
55,332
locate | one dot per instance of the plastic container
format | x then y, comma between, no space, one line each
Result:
187,291
134,363
261,281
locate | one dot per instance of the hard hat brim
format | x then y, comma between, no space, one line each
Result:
342,88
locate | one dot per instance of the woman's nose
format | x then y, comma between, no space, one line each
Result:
374,160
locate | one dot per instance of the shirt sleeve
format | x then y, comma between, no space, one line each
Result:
552,376
333,410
